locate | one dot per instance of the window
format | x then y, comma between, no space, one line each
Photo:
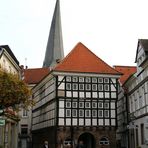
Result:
106,80
87,104
94,87
94,104
75,86
87,79
106,105
88,87
81,86
10,70
100,80
68,86
74,104
81,79
68,112
25,113
106,87
68,142
100,113
68,79
137,139
94,80
142,133
100,104
4,63
81,104
87,113
24,129
74,113
75,79
100,87
81,113
104,141
94,113
68,104
106,113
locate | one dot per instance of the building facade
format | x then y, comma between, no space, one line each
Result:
31,78
9,130
76,101
123,107
137,86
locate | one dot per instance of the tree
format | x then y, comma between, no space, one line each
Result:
13,91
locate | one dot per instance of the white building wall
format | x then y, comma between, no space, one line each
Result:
44,93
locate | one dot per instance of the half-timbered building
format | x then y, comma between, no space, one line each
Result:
137,86
123,107
77,101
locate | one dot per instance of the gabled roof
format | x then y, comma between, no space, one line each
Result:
33,76
7,48
127,71
82,60
144,44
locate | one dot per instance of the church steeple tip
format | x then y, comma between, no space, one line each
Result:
54,50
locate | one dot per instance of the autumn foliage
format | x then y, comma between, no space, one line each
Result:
13,91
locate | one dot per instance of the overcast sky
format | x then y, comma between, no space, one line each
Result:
109,28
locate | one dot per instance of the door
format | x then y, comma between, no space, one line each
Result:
88,140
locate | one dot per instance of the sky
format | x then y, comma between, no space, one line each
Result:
109,28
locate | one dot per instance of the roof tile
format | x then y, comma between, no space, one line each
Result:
82,60
33,76
127,71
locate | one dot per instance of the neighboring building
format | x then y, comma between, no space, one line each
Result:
137,92
76,101
122,106
8,61
31,78
8,133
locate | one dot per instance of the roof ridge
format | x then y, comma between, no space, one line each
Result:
124,66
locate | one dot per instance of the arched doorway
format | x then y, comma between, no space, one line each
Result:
88,139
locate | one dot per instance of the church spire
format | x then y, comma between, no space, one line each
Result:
54,50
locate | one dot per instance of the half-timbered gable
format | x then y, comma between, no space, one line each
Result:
87,100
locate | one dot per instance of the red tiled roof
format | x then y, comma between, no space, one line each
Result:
127,71
33,76
81,59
